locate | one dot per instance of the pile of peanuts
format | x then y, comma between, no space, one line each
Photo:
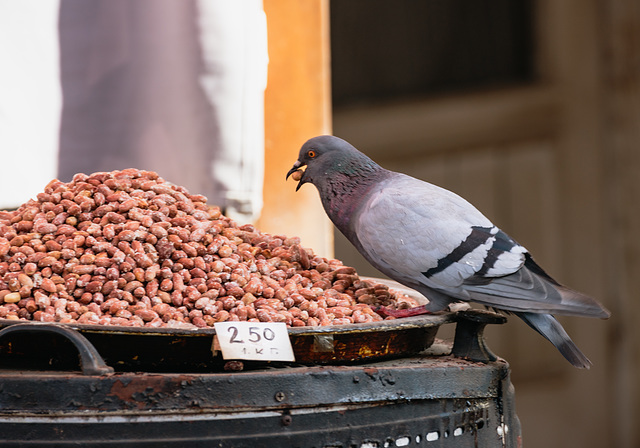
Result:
128,248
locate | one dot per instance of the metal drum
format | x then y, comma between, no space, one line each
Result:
65,385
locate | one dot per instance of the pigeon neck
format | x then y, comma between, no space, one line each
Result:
345,192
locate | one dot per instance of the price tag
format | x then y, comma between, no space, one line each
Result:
262,341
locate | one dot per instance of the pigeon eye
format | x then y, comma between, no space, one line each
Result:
311,153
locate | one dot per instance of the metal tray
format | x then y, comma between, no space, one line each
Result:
184,349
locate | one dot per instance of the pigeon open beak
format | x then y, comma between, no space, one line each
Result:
296,167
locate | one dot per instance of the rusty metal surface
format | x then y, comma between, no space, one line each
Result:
407,379
463,402
144,349
458,424
165,349
441,399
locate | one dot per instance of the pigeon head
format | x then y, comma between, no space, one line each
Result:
342,174
326,157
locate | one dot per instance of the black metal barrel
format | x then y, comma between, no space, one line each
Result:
430,399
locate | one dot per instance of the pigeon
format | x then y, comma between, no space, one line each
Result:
435,242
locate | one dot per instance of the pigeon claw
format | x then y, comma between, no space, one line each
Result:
384,311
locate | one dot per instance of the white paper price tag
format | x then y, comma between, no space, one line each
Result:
262,341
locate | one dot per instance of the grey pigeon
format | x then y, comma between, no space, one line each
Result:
437,243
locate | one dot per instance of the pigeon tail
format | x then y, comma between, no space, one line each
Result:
532,289
550,328
585,305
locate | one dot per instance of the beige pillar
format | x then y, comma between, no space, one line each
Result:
297,107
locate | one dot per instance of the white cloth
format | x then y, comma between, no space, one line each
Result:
172,86
30,98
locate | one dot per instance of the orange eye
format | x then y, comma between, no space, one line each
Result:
311,153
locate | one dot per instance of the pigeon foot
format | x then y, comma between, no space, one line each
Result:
407,312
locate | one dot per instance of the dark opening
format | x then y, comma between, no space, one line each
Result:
384,49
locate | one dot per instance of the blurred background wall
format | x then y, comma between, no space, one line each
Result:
530,109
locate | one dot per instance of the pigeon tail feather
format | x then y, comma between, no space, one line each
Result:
532,289
579,304
550,328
